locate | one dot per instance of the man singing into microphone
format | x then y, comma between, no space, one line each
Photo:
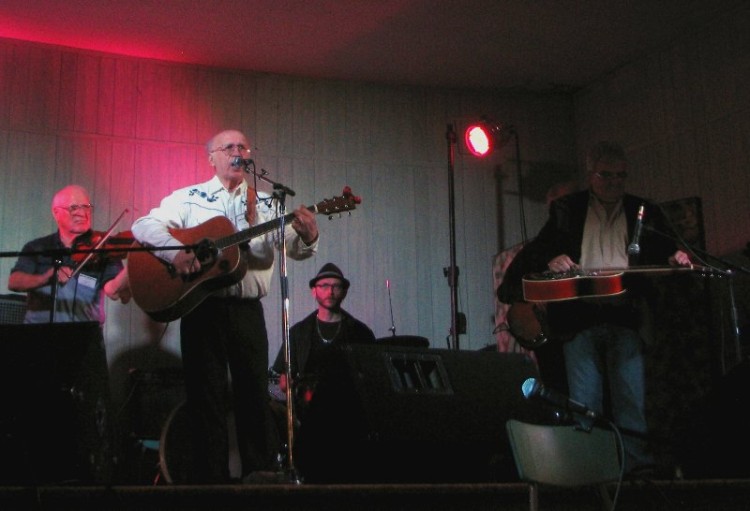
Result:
603,336
228,329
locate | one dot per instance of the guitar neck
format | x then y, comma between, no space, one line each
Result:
646,269
255,231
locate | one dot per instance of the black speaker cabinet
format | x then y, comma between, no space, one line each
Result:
385,414
54,423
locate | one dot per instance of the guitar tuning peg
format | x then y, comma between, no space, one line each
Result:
330,217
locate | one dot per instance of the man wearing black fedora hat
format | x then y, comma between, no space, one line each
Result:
328,325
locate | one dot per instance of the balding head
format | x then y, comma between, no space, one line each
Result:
71,223
71,194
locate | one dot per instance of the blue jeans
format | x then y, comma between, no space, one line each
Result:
615,353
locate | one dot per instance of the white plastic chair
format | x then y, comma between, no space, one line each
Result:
565,456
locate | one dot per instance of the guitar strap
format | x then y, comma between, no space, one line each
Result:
250,211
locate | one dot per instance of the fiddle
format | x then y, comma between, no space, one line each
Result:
102,246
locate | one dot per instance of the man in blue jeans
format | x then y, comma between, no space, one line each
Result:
603,334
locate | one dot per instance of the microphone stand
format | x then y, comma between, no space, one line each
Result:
280,193
56,264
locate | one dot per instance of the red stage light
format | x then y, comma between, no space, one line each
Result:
478,140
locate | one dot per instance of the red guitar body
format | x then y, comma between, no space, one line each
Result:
542,287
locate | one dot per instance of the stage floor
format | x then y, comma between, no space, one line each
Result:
635,495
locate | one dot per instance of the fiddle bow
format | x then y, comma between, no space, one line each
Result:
98,246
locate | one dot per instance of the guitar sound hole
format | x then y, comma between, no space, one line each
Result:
206,252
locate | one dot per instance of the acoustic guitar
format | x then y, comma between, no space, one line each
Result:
527,319
165,295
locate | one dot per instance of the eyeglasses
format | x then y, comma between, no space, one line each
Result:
326,287
229,149
607,176
86,208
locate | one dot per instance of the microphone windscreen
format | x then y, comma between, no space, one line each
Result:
529,388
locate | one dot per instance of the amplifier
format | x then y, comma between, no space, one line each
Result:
12,308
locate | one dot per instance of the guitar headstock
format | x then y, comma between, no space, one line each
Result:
346,202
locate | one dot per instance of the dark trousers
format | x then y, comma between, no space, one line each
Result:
225,345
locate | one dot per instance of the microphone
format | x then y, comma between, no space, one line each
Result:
238,161
635,248
534,388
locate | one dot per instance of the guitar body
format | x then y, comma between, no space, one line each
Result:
525,321
165,295
544,287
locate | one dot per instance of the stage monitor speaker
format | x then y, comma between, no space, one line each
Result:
55,397
382,414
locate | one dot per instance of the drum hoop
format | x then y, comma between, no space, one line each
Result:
163,468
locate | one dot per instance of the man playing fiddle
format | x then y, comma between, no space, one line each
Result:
75,291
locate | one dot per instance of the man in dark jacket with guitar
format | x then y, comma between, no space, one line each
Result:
227,328
587,232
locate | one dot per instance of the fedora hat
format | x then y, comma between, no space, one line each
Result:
330,271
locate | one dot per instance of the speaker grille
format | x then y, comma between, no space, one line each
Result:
12,308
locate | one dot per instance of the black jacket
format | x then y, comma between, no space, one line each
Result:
563,234
306,345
